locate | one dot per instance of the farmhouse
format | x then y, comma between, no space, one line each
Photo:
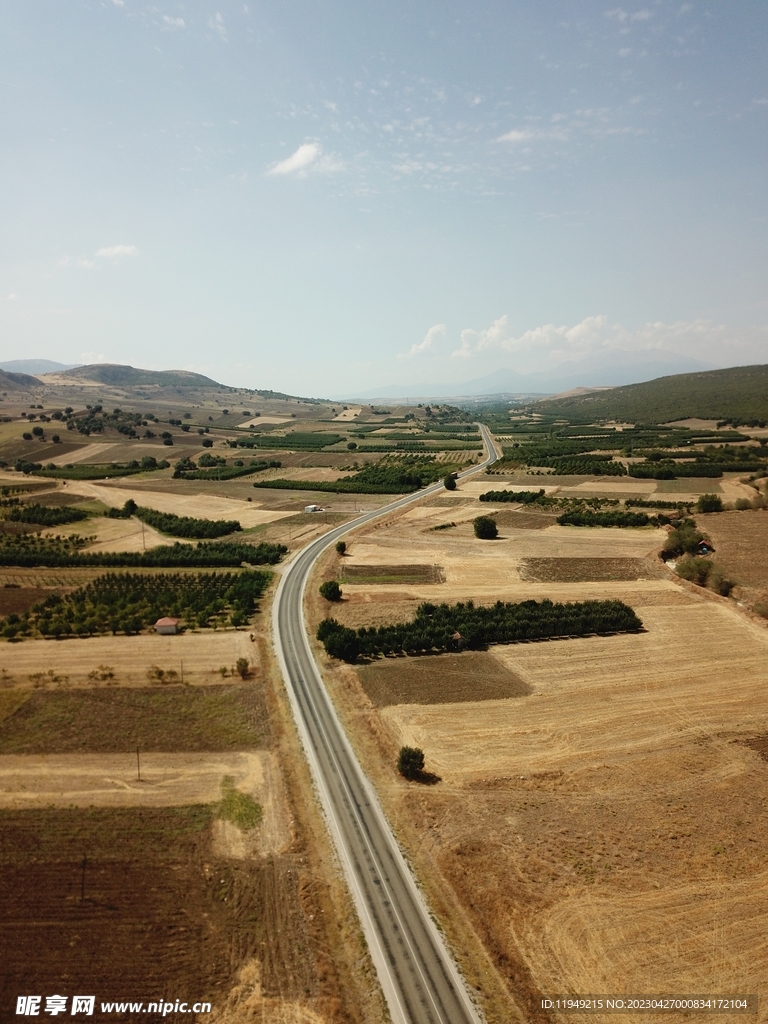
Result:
167,626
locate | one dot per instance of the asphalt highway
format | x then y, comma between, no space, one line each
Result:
419,977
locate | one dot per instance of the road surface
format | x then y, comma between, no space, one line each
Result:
420,980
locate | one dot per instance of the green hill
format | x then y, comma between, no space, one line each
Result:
119,375
739,393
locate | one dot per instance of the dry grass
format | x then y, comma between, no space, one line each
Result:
351,573
741,544
582,570
198,655
176,718
200,505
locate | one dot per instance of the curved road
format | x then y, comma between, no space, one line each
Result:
417,973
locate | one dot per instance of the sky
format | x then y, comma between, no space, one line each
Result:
318,197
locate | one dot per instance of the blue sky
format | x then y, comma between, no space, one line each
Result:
319,197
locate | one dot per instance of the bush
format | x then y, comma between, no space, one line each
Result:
485,528
351,445
243,668
330,590
709,503
207,442
341,547
704,573
449,482
410,762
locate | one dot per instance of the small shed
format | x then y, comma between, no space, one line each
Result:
459,640
167,626
313,508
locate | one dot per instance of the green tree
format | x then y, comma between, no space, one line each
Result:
330,590
410,762
243,668
449,482
485,528
341,547
709,503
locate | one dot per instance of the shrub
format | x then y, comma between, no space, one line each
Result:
341,547
709,503
330,590
243,668
410,762
207,442
485,528
351,445
449,482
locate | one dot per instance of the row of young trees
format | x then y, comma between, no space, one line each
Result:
521,497
127,603
45,515
394,475
584,517
187,526
30,550
451,627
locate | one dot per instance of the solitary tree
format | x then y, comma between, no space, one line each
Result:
341,547
410,762
449,482
486,528
330,590
709,503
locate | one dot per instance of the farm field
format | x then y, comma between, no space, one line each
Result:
602,818
57,663
741,545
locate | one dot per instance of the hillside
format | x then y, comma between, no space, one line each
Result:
14,381
119,375
739,393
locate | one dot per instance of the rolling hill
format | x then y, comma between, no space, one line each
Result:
119,375
740,392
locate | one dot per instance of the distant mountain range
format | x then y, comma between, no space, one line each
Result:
34,366
611,370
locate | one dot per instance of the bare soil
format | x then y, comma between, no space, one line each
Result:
440,679
161,917
21,599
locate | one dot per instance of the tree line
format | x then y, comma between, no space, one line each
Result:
31,550
446,627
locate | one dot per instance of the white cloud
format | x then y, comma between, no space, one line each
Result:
84,264
550,344
428,346
622,16
308,158
173,22
89,358
13,297
216,22
118,3
516,136
116,252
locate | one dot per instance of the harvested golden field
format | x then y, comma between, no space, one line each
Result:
200,505
605,832
741,544
73,662
114,534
